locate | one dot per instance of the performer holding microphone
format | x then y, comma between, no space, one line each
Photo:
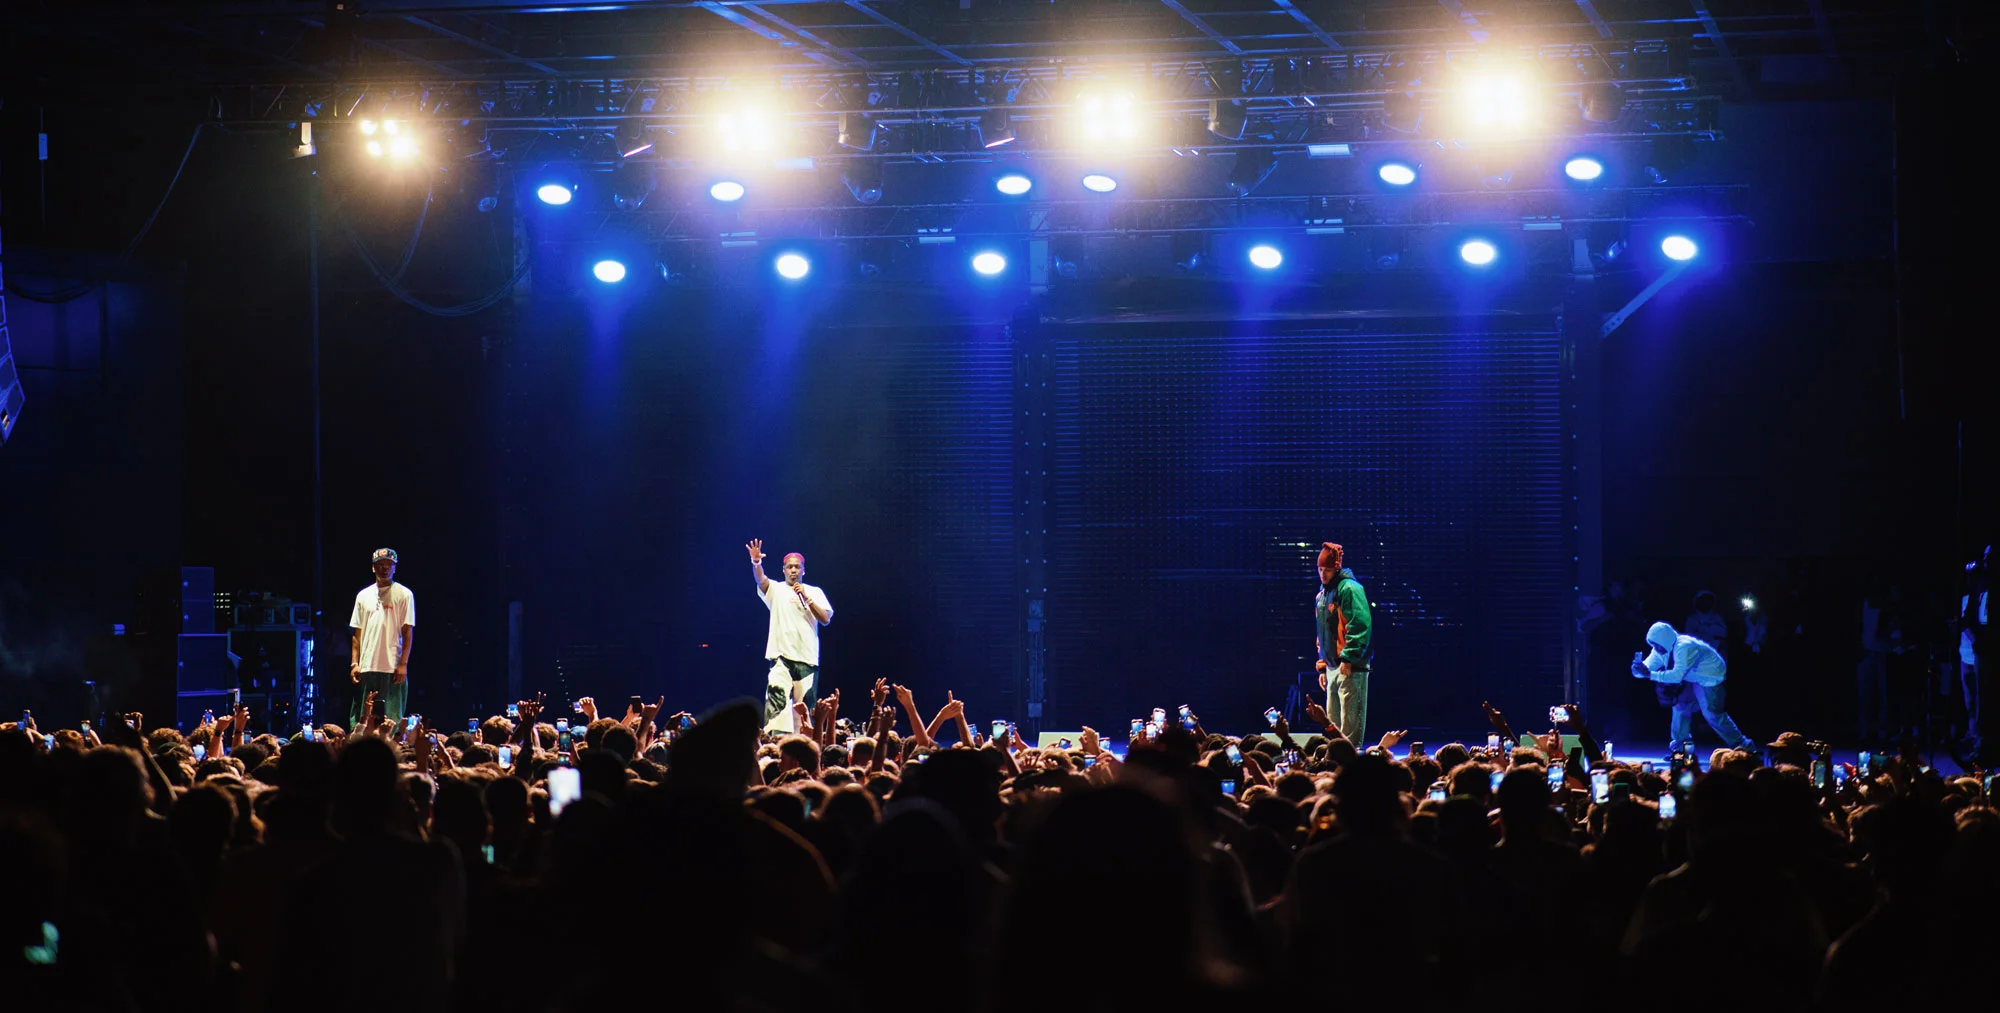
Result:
1688,676
798,610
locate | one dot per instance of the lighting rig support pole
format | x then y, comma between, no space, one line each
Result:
1617,320
305,696
1582,400
1034,425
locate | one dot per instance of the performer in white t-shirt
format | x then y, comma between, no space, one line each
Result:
384,624
798,610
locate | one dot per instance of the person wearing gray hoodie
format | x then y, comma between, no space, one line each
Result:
1689,675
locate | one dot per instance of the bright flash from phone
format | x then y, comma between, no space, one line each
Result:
1749,603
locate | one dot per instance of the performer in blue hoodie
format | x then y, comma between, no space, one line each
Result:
1689,674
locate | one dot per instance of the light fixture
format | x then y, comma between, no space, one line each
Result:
989,263
792,266
610,272
1477,252
1679,248
1013,184
1098,182
748,128
857,131
369,127
1337,149
996,128
554,194
1583,168
1495,101
1397,173
1265,257
863,179
1253,166
1601,103
392,127
1106,116
374,149
402,147
726,191
1226,119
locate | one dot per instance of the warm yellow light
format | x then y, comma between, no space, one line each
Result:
368,127
391,127
746,129
375,149
402,147
1497,101
1107,116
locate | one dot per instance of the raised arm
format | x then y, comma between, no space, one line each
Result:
952,708
917,729
756,548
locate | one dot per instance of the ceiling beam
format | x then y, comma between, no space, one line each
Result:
480,45
806,35
1310,26
1203,27
734,16
1589,10
1714,33
895,26
1467,18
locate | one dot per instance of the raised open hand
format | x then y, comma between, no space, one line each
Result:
530,709
801,717
905,697
756,548
651,711
880,695
1494,717
588,708
1389,739
1089,743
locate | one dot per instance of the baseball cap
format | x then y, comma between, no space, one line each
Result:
382,554
1789,740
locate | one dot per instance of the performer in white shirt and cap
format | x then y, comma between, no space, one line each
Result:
798,610
384,625
1689,674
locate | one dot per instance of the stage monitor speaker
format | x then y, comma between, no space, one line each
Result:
197,599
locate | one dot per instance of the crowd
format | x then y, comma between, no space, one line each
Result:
895,860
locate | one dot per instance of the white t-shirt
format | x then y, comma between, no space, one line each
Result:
794,631
380,615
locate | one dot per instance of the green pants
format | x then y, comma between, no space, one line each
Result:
1348,704
393,695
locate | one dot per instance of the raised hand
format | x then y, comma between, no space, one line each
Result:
880,695
1316,714
1389,739
906,698
953,707
650,711
588,708
756,548
529,709
1089,743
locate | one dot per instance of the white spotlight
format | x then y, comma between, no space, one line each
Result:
375,149
726,191
1679,248
793,266
1477,252
746,129
1266,257
989,263
554,194
1013,184
1107,117
1397,173
1497,101
1098,182
368,127
1583,168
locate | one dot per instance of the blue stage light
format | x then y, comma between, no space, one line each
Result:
1679,248
793,266
726,191
1397,173
1098,182
1477,252
555,194
1266,257
989,263
1013,184
1583,168
610,272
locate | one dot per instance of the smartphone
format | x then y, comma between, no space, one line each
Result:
48,743
1065,744
999,729
1600,786
1229,788
1992,782
564,741
319,735
411,722
1089,762
1281,768
1159,715
1645,766
1669,805
1493,781
305,733
506,756
562,725
1555,777
687,722
1235,755
1493,742
514,712
1187,717
1437,792
27,716
207,717
565,786
1607,751
1684,782
486,851
1559,714
637,705
1271,715
1822,774
808,803
200,752
472,725
85,727
1137,727
1416,749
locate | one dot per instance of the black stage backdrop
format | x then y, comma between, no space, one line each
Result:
1202,464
